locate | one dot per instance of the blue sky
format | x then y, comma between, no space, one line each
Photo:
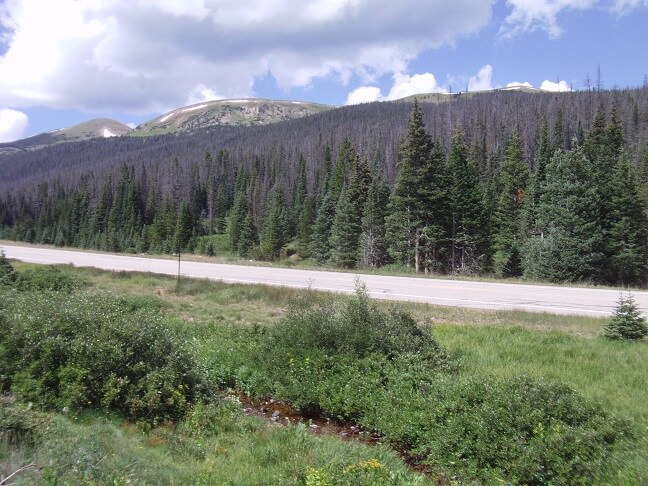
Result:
67,61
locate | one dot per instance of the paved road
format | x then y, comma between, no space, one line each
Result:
480,295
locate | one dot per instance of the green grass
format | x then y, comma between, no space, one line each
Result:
234,450
222,321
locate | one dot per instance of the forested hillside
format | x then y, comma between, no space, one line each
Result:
552,186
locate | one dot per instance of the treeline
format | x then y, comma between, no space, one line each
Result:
557,204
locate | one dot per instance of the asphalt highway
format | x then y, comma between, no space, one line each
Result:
461,293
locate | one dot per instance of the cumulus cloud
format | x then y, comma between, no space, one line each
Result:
530,15
364,94
153,55
483,80
404,85
552,86
13,124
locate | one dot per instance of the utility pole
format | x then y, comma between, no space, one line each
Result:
178,285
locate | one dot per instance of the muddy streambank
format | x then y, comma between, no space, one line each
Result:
281,413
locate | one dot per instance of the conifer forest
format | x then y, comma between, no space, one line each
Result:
547,186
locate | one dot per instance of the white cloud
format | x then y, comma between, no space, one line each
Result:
623,7
131,124
364,94
13,124
530,15
153,55
551,86
483,80
405,85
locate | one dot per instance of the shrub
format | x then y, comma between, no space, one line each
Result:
95,351
356,328
627,322
7,272
516,429
48,278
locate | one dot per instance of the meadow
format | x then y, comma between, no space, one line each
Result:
454,396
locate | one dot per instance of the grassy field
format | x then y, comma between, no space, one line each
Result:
220,445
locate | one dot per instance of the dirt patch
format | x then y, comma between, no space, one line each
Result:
281,413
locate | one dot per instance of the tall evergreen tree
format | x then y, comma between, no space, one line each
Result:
237,215
248,236
373,243
513,180
342,164
415,228
305,228
345,233
467,218
626,234
322,229
567,246
274,235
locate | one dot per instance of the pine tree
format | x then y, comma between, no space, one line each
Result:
339,174
237,215
627,321
322,229
274,235
567,247
184,227
345,233
373,243
305,228
626,233
248,237
299,196
512,186
415,226
467,222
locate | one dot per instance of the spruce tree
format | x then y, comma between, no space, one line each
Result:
305,228
567,248
415,226
274,235
345,233
627,321
248,237
321,248
467,221
626,232
236,217
512,185
373,243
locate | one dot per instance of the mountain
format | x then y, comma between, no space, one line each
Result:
244,112
97,128
187,119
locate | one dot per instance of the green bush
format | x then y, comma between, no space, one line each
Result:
20,425
514,430
76,351
356,328
627,321
320,356
7,272
353,361
48,278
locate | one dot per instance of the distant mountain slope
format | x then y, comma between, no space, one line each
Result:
97,128
245,112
